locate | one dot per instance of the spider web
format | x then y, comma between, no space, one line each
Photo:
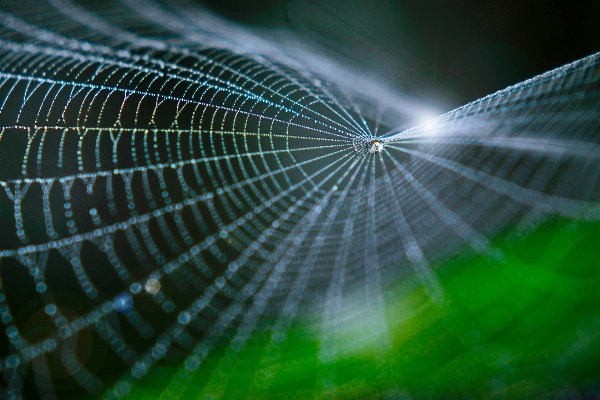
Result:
140,141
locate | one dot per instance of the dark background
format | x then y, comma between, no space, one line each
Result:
445,52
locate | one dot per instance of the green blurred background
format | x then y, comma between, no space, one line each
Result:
525,324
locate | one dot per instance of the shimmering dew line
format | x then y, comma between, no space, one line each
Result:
161,166
558,147
145,217
547,203
128,92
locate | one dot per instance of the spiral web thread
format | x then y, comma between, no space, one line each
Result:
136,144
